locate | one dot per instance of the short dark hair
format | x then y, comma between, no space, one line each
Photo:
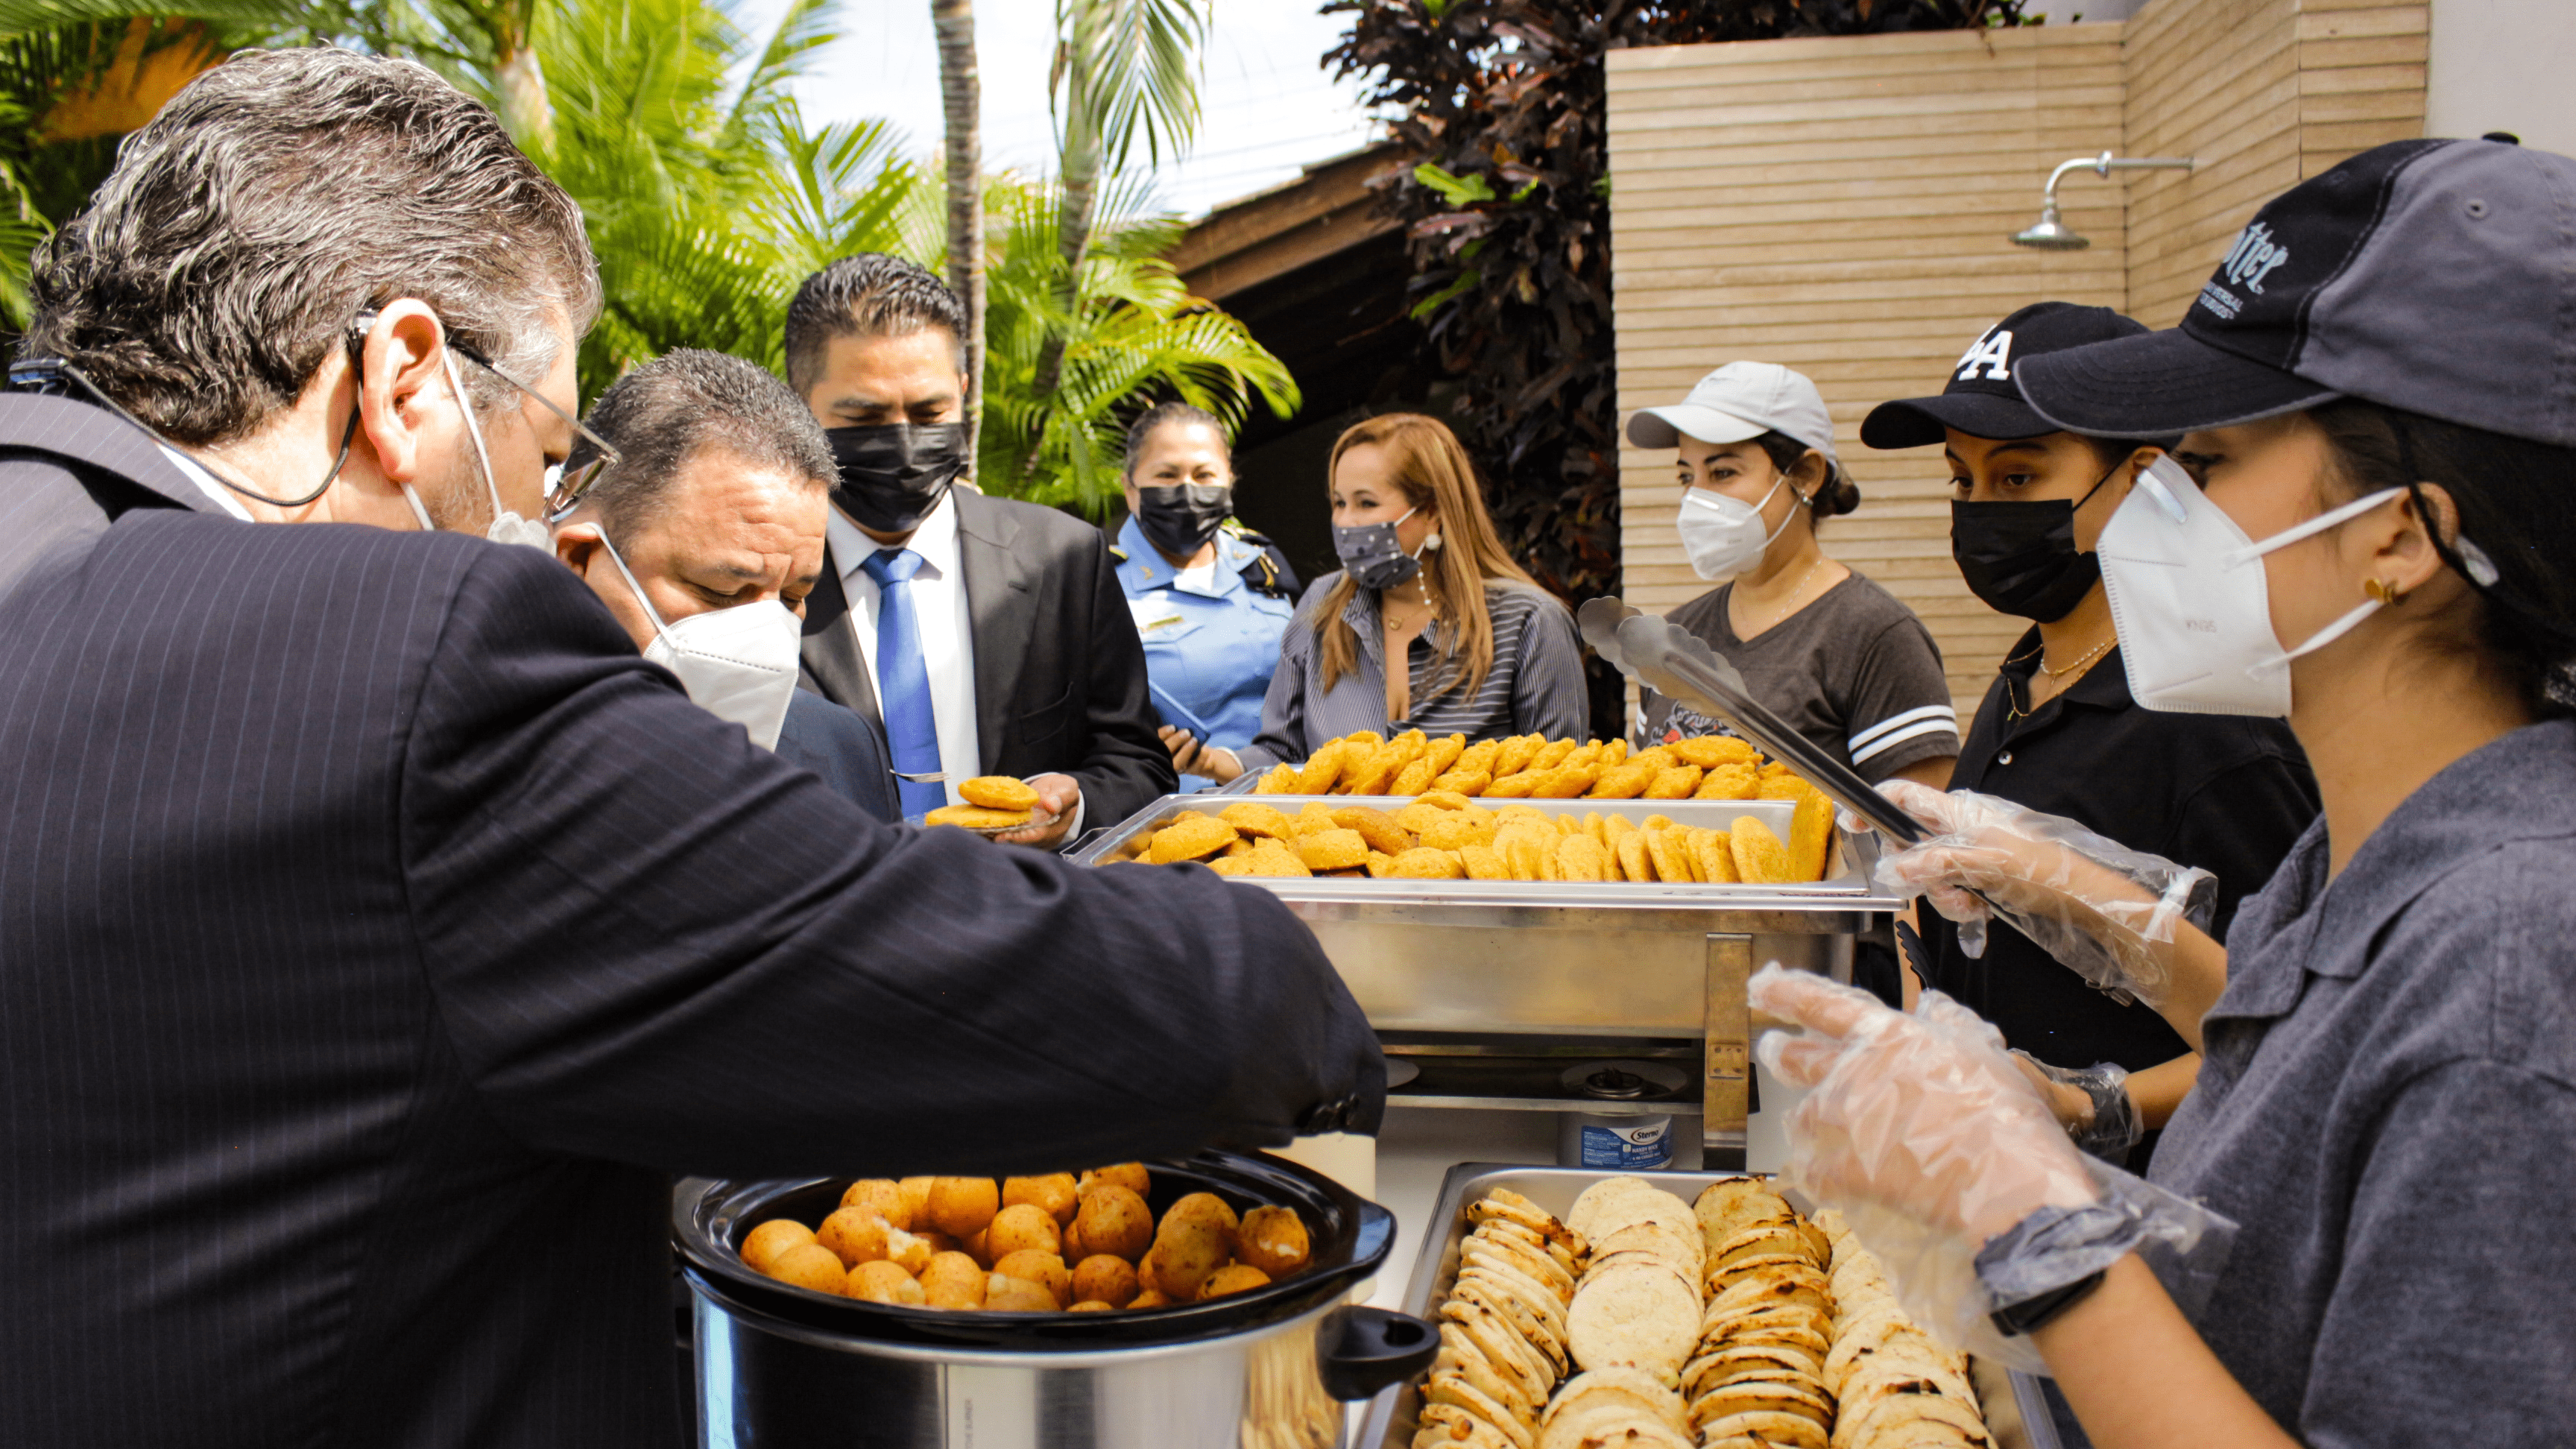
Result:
685,402
273,199
868,295
1164,414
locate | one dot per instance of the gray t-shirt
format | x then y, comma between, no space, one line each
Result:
1855,672
2387,1107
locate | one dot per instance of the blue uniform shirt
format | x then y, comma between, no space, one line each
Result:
1209,649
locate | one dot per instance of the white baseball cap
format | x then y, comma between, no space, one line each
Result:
1739,401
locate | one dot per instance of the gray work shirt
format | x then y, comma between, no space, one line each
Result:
1536,685
2387,1105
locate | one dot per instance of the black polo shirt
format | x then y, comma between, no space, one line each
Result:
2227,793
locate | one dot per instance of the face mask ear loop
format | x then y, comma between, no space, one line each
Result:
2310,529
419,510
649,611
474,430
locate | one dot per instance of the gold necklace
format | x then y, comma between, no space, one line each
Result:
2096,652
2013,711
1795,589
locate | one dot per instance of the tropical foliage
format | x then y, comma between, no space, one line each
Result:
708,195
1508,227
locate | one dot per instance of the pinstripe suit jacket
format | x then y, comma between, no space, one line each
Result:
378,933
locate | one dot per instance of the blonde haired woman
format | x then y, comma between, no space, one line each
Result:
1424,579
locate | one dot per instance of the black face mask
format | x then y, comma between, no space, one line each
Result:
1179,518
2021,557
894,474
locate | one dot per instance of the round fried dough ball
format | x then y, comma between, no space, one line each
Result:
1201,1207
883,1282
1056,1192
1273,1239
882,1196
975,1248
1006,1294
961,1206
810,1265
916,1200
1102,1278
763,1245
1240,1278
1182,1257
1129,1175
1074,1251
953,1280
1114,1220
1022,1226
855,1235
1093,1305
909,1251
1038,1267
1150,1298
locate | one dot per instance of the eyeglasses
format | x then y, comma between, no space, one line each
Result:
571,481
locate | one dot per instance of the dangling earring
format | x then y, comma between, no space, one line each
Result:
2383,591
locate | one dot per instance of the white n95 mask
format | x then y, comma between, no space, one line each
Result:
506,526
737,664
2189,600
1723,535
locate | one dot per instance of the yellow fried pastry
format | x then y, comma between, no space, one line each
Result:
1335,849
999,792
1782,787
1811,835
1581,858
1625,781
1282,780
1514,755
1669,850
1461,783
1587,753
1713,853
1322,768
1373,775
1379,829
1314,816
1636,861
1773,769
1613,752
1421,864
1662,755
1523,855
1255,820
1415,778
1510,813
1550,755
1563,784
1447,800
1456,832
1710,751
1234,865
1728,782
979,817
1190,837
1597,827
1272,858
1365,737
1444,752
1417,816
1674,782
1379,865
1236,847
1478,756
1760,858
1511,787
1483,863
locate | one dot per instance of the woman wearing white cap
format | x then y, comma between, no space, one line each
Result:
2377,541
1831,652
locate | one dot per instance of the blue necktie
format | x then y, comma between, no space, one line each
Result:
903,680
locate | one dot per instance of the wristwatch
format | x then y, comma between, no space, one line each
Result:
2016,1319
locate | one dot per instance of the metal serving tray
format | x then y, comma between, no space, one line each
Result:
2012,1412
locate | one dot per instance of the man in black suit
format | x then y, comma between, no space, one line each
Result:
988,635
377,931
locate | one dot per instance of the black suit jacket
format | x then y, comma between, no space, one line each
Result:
378,934
845,751
1059,670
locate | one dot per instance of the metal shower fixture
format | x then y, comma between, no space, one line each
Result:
2054,235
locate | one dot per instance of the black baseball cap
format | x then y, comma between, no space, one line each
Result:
2437,277
1982,399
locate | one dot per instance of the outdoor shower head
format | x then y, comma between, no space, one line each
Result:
2052,234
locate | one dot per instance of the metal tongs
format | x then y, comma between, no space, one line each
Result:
1664,657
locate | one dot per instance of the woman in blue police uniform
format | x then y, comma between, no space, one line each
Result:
1210,597
2377,541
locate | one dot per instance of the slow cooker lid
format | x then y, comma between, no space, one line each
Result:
1350,1236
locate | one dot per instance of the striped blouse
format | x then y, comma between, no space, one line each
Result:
1536,685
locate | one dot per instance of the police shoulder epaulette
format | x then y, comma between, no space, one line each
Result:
1117,553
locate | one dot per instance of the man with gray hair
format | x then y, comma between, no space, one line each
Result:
704,539
378,933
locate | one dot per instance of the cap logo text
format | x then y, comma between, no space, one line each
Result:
1993,352
2253,258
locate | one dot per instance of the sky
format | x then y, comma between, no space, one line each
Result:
1268,108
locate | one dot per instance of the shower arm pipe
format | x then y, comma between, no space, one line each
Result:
2106,163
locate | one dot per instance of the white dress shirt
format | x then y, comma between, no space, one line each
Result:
198,475
947,629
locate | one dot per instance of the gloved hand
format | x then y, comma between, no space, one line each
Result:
2091,1103
1934,1143
2100,908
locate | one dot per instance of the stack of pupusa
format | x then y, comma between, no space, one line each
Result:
1632,1321
1758,1380
1897,1387
1503,1328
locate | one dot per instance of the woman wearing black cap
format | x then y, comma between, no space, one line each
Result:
2058,731
2378,388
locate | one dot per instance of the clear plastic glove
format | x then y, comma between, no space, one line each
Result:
2092,1104
1936,1146
2098,907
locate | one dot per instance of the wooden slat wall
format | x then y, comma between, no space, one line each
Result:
1841,206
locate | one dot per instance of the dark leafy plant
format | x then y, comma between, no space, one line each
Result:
1508,221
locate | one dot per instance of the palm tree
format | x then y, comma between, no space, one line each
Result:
961,94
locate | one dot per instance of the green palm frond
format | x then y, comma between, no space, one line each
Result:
1129,72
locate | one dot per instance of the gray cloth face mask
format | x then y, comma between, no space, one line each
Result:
1372,555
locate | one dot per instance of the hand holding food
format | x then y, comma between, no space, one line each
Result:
2102,909
1058,1243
